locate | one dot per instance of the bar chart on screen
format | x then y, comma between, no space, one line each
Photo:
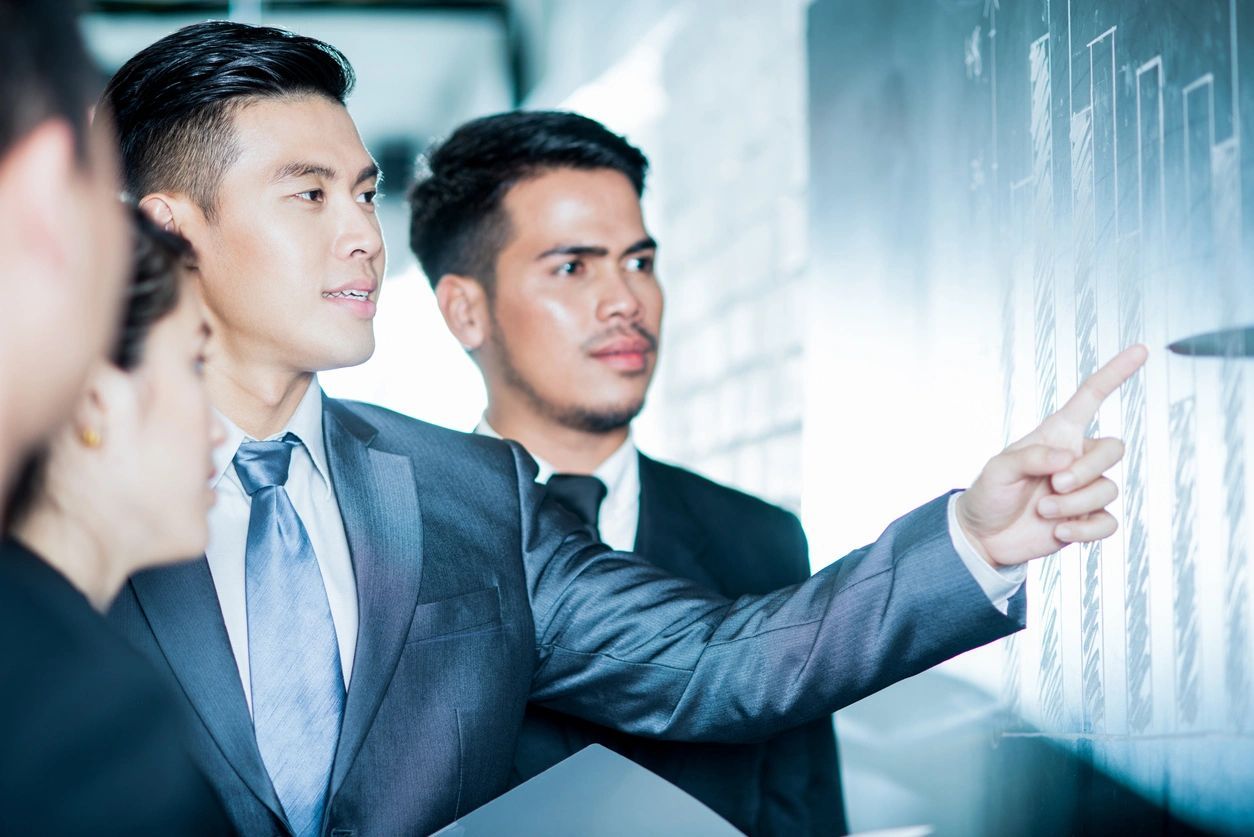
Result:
1057,179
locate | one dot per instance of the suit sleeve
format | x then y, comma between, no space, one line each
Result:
801,791
621,643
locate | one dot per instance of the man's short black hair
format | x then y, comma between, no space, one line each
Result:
457,221
44,70
174,102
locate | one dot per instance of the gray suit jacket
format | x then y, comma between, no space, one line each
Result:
476,595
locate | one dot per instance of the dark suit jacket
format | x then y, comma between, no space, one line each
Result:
90,741
476,595
735,545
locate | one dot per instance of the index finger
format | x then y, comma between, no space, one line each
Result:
1084,405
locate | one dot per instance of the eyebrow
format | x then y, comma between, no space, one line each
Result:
646,243
369,172
298,169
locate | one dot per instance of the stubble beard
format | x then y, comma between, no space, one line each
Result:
595,420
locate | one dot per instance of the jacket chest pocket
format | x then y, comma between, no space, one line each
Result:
464,614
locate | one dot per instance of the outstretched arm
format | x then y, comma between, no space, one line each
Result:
625,645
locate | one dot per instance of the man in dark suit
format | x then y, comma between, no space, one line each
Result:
577,427
381,598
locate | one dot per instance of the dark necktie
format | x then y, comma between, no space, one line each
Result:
581,494
294,659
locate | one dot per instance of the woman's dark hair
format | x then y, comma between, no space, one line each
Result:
174,102
154,289
457,222
152,295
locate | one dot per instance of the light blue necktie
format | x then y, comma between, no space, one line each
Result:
293,658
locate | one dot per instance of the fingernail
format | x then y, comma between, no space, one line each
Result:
1048,507
1063,533
1064,481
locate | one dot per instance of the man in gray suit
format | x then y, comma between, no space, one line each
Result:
381,598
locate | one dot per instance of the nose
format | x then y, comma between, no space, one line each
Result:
618,298
360,236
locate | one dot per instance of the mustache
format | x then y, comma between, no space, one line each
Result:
631,331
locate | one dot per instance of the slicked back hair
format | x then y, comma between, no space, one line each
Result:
458,224
174,102
44,70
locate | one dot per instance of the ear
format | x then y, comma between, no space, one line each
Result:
36,179
110,402
464,304
176,214
160,210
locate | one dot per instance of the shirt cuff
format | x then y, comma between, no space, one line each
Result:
999,585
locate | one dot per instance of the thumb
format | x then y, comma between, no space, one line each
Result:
1029,461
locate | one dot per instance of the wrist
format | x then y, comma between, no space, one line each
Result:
969,532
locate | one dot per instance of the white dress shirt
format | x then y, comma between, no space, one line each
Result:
309,487
620,516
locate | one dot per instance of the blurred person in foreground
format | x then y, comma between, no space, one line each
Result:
90,742
93,742
380,597
565,329
63,240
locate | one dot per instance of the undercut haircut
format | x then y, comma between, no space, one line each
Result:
175,101
458,224
44,71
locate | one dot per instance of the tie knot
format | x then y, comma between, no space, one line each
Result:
264,464
580,493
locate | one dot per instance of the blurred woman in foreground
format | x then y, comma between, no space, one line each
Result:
93,740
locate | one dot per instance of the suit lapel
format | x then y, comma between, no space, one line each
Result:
668,533
378,500
182,608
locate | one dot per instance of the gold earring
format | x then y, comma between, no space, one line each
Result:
90,438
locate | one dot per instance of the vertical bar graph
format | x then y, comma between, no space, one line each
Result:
1085,224
1046,360
1151,228
1184,562
1237,685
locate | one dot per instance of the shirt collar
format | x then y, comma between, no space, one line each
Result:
611,471
306,423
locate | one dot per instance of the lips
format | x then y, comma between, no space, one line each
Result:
625,355
363,287
355,296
